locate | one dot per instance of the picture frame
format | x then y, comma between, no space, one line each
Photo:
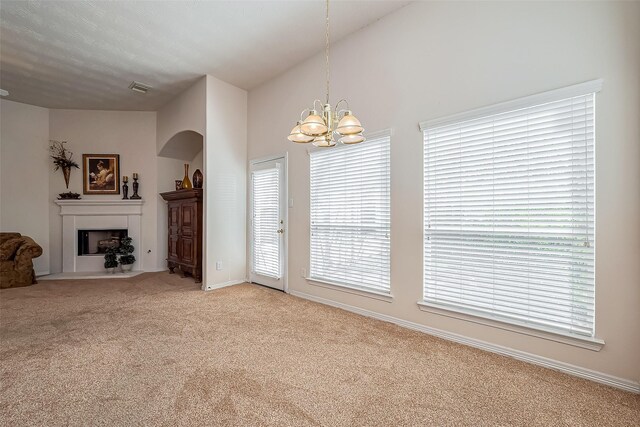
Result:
101,174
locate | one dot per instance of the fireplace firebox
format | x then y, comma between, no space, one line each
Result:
96,242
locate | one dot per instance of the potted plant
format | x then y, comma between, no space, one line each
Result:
126,254
110,260
62,159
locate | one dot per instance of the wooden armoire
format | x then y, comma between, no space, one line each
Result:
185,231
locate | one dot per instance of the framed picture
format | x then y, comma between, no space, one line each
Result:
101,173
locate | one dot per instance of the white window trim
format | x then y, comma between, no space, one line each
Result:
539,98
594,344
342,287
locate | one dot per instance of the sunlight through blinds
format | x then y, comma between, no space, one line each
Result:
509,215
350,215
266,222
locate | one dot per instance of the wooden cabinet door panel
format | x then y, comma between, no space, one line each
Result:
187,213
174,247
187,249
174,218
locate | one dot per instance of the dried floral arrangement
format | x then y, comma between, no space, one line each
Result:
68,196
62,158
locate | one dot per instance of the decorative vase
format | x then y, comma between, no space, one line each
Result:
66,171
198,179
111,270
126,267
186,183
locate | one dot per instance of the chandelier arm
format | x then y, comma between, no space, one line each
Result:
318,101
327,49
306,110
340,112
338,103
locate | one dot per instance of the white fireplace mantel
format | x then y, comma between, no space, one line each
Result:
100,207
81,214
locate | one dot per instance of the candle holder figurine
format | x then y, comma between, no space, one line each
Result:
135,187
125,187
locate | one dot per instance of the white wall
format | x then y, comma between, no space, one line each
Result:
225,164
434,59
218,111
186,112
24,174
196,163
132,135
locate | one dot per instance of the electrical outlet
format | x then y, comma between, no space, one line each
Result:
218,265
303,272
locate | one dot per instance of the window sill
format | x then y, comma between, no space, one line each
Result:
350,289
594,344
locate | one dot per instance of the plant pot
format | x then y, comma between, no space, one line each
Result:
111,270
66,171
126,267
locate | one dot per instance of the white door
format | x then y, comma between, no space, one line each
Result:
268,202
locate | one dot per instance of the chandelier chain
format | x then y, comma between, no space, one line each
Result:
327,49
323,125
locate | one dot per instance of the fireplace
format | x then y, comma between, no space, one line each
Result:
105,220
96,242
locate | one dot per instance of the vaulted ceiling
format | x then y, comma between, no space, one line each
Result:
84,54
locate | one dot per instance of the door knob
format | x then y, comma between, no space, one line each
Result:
281,230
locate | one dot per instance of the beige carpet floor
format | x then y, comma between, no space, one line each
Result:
155,350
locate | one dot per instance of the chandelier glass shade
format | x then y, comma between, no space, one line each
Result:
314,125
297,136
323,126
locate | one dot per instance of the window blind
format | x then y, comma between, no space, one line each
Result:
266,217
509,215
350,215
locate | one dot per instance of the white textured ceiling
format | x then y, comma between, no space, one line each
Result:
84,54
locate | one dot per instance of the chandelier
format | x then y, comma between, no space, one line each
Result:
322,127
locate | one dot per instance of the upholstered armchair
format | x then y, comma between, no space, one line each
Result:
16,255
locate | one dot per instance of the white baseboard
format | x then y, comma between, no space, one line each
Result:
43,273
223,285
599,377
90,275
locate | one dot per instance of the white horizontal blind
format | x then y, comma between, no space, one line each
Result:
509,215
350,215
266,222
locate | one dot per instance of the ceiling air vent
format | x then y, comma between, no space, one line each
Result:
139,87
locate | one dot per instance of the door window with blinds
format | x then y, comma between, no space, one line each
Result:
509,211
265,186
350,215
